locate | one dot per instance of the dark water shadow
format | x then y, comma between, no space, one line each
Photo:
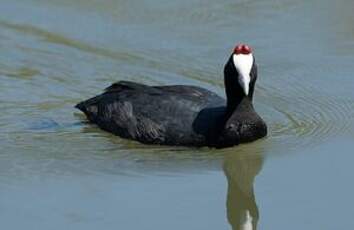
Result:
240,171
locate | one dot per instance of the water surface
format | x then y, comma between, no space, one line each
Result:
57,171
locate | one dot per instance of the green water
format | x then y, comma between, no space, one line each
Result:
59,172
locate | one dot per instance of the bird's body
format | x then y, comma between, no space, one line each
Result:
174,115
159,115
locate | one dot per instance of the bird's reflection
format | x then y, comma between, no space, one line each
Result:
240,170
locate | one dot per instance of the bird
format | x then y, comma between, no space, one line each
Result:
183,115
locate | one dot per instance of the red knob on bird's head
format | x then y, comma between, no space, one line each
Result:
242,49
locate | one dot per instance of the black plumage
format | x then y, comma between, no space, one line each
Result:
178,114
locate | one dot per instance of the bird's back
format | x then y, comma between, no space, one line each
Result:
171,115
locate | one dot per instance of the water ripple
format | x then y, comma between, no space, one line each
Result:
310,115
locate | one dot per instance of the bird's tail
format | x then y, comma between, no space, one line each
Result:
89,108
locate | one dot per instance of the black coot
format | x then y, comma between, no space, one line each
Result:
181,114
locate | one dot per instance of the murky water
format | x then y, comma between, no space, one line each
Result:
58,172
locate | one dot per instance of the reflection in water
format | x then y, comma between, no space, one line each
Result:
240,170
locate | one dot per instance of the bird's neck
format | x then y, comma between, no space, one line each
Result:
236,99
238,103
